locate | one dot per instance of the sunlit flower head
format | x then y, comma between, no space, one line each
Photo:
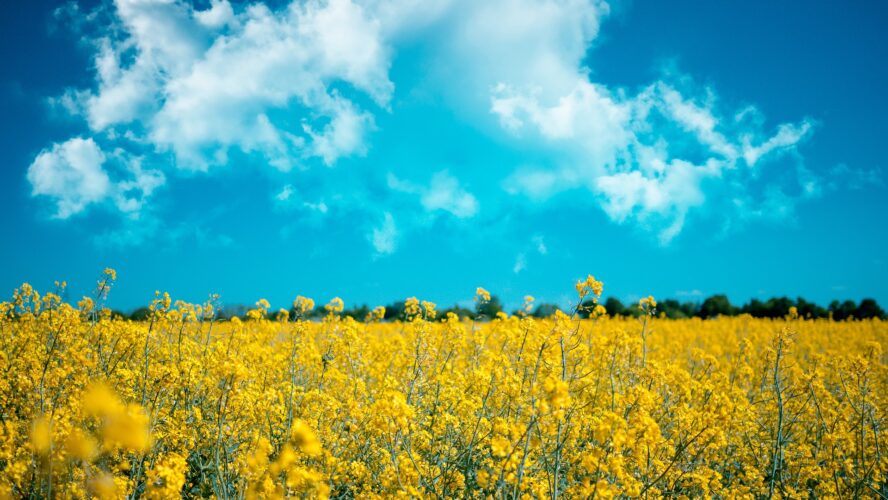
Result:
335,306
589,286
482,295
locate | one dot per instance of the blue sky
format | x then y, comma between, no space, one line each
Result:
379,150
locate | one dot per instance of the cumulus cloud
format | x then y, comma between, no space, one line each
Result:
302,83
72,174
201,84
75,174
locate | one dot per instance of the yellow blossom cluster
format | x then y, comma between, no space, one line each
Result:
184,404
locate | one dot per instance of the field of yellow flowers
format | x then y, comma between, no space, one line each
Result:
507,407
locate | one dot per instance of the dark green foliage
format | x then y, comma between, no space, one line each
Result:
868,308
545,310
675,310
842,310
615,307
359,312
810,310
488,309
716,305
459,310
140,314
394,311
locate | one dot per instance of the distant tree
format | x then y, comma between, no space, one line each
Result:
755,308
488,309
357,312
868,308
615,307
232,311
842,310
585,309
778,307
459,310
394,311
675,309
545,310
140,314
809,309
716,305
690,309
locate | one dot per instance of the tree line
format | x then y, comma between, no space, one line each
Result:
775,307
713,306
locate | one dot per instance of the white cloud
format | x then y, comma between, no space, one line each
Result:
130,195
74,175
384,237
787,136
634,153
218,15
302,83
201,83
669,195
843,176
520,263
540,245
285,193
288,198
443,193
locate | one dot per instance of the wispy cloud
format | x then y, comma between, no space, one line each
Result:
385,236
443,193
520,263
842,176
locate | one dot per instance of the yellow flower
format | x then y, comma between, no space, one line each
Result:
105,487
412,307
527,306
377,314
128,430
589,285
647,304
167,477
110,274
80,445
505,408
41,435
500,447
304,439
335,306
429,308
303,305
100,401
123,426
